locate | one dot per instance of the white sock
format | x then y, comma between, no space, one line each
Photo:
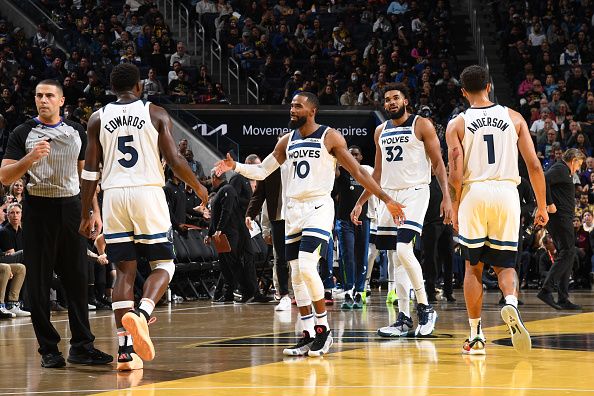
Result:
511,300
124,338
322,319
147,305
392,260
475,328
308,323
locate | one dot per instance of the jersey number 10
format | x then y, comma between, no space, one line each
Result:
300,169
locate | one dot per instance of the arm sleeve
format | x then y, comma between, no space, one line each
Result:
258,171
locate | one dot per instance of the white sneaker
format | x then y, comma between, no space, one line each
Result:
16,309
427,319
6,313
284,304
519,334
92,307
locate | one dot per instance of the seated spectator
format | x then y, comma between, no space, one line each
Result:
398,7
180,55
205,6
130,56
244,51
43,38
195,165
179,89
134,28
581,142
83,112
157,61
204,79
151,85
328,96
543,124
11,236
172,75
16,192
367,97
71,91
349,98
546,149
15,273
583,205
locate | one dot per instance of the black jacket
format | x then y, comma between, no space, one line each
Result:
176,200
244,191
560,188
269,190
224,211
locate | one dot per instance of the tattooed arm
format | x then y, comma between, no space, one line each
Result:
454,136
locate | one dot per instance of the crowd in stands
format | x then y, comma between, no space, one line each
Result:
547,49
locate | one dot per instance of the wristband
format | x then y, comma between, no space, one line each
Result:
87,175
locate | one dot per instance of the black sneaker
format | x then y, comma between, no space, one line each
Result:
245,299
449,297
569,305
322,342
262,299
53,360
92,356
302,346
547,298
223,300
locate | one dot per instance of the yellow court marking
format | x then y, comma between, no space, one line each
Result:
407,367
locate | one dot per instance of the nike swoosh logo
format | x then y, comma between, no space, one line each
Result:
417,189
318,207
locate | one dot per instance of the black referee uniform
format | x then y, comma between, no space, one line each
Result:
51,217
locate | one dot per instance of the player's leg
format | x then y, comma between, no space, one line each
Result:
504,223
386,239
149,215
403,324
472,234
317,229
361,249
416,201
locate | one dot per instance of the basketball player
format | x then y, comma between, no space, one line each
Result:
406,148
127,137
312,150
483,145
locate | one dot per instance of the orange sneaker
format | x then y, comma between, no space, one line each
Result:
135,323
128,359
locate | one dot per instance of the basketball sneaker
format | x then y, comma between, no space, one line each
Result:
284,304
348,301
474,347
400,328
322,342
16,309
358,302
136,324
519,334
302,346
128,359
391,298
427,319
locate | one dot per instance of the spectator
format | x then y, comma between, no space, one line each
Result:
151,85
157,61
180,56
16,192
179,89
172,75
328,96
13,275
349,98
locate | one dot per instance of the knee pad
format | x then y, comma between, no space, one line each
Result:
295,273
406,254
308,267
164,265
301,294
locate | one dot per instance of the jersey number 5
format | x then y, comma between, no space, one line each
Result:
490,148
393,153
125,149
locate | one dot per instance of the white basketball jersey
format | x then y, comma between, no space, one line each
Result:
490,145
130,146
405,163
309,170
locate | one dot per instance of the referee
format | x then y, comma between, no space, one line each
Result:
561,206
50,151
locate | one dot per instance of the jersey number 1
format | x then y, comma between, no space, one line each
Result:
125,149
490,148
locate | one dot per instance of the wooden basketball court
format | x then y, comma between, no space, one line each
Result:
237,350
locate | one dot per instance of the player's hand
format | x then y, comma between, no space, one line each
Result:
102,259
551,208
39,151
395,209
248,223
445,210
355,213
541,217
455,220
225,165
90,226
